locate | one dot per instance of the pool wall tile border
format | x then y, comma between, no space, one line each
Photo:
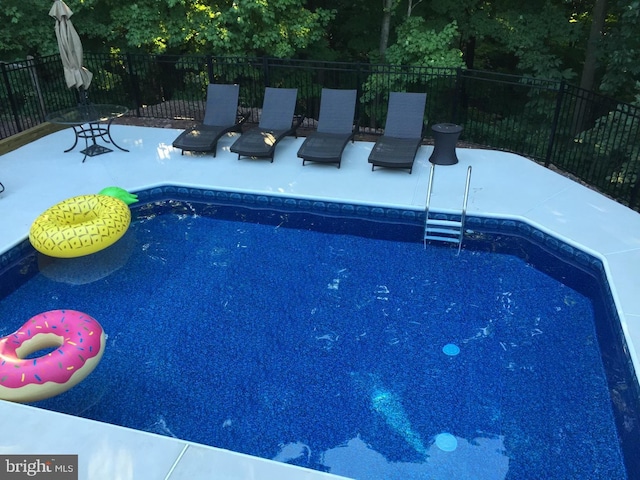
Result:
417,217
15,253
481,224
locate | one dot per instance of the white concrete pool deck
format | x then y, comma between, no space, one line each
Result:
503,185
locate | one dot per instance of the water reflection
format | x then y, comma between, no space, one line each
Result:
480,458
89,268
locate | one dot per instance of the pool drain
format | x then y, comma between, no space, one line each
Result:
446,442
451,349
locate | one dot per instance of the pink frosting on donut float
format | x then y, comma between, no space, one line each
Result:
80,342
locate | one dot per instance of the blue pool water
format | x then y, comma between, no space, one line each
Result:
343,345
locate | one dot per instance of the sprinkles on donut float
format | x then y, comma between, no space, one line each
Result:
79,342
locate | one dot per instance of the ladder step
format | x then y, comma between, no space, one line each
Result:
442,239
444,223
446,231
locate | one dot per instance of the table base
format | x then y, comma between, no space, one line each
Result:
91,123
91,133
95,149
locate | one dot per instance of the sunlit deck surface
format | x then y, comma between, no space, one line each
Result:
503,185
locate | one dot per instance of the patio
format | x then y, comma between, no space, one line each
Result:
503,185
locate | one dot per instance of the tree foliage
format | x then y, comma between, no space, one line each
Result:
419,45
279,28
542,38
26,29
620,52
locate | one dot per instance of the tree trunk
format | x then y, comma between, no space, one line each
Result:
591,56
469,49
387,7
587,80
410,7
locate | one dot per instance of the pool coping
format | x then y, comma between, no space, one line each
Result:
502,187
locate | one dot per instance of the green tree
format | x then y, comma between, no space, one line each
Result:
419,45
354,34
587,79
619,56
543,38
26,29
536,38
416,45
280,28
387,11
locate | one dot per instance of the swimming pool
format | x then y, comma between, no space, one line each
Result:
348,334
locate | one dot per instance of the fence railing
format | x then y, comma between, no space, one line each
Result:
592,137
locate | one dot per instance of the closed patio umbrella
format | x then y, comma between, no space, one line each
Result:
70,47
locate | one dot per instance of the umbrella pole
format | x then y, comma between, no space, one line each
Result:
83,96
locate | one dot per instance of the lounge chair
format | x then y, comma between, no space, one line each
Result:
220,118
276,122
335,128
398,146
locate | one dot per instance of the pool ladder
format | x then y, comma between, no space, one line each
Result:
451,231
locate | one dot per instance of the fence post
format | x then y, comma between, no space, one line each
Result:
265,70
457,93
12,100
554,123
33,73
210,68
134,83
359,97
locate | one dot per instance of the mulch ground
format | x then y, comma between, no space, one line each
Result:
188,114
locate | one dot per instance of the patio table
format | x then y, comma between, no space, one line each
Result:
87,122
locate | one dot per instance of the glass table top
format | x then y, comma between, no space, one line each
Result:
90,113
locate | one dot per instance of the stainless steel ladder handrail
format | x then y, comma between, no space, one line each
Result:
429,188
464,206
446,228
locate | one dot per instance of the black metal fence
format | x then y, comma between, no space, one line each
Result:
592,137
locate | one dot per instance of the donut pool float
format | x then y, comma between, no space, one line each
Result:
78,340
82,225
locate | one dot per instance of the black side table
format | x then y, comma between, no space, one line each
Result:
445,137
